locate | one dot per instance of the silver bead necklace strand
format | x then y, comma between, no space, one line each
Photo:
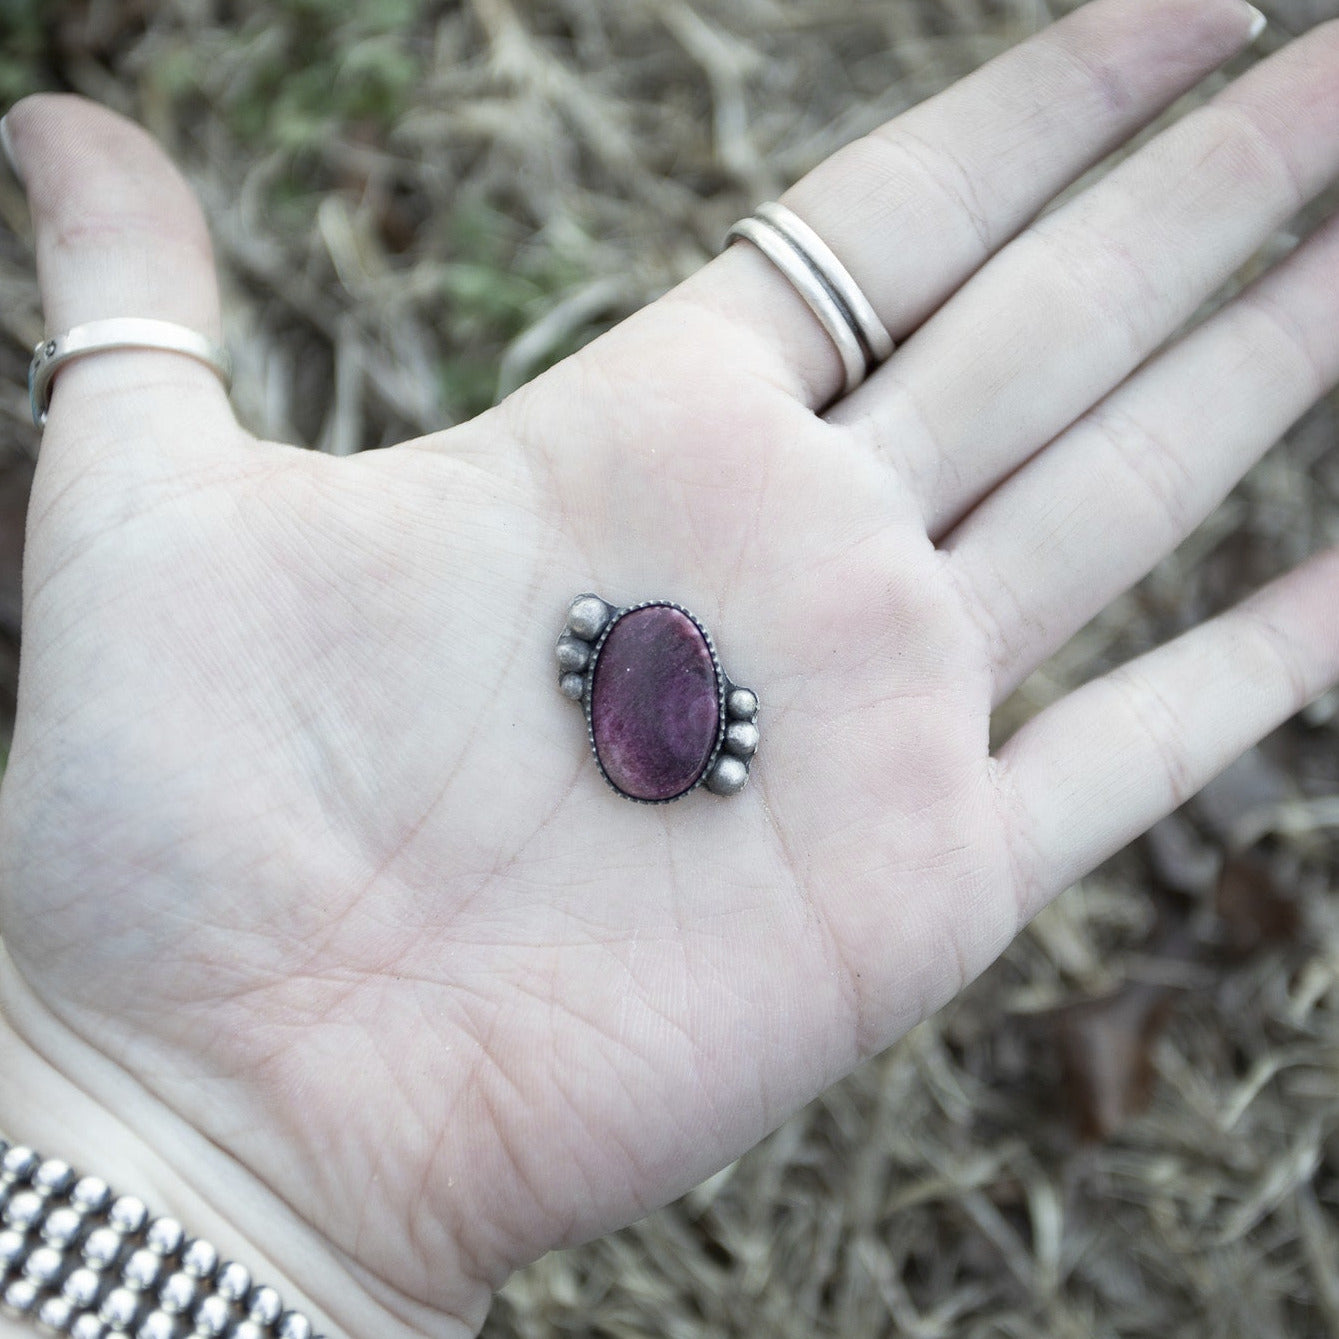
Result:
77,1259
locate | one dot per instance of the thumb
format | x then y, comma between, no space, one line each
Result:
117,233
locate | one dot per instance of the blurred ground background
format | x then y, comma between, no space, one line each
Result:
1130,1126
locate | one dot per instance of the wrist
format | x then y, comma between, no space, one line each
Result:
67,1100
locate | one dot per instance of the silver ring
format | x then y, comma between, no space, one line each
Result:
825,284
122,332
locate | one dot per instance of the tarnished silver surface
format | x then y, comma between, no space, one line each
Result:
729,775
589,622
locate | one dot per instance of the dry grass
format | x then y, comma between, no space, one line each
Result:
1128,1127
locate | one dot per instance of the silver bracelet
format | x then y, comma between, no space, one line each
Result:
82,1261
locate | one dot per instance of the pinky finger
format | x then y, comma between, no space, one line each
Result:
1102,765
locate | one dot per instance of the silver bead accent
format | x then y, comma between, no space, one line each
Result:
233,1281
102,1247
199,1259
82,1287
90,1194
293,1325
573,654
264,1306
19,1163
87,1326
165,1236
119,1307
19,1298
572,686
157,1325
728,777
54,1315
588,616
142,1269
127,1215
25,1209
53,1177
13,1245
177,1293
44,1265
211,1316
741,738
247,1329
62,1226
742,704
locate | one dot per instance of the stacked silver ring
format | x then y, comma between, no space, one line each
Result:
82,1261
825,284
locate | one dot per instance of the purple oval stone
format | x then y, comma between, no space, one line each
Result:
655,708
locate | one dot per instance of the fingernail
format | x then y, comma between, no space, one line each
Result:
7,145
1258,24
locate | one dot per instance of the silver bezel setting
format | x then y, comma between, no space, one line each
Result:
726,688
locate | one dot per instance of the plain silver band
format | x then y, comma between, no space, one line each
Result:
825,284
121,332
801,236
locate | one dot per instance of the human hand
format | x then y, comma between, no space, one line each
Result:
298,836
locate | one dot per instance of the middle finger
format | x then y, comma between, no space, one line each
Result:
1072,306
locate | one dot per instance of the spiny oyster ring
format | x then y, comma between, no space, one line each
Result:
661,714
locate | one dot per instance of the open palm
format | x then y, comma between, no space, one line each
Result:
297,828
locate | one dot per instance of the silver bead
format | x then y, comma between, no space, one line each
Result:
127,1215
142,1269
82,1287
264,1306
164,1236
247,1329
13,1244
53,1177
177,1293
742,704
741,738
199,1259
233,1281
119,1307
90,1194
588,616
211,1316
19,1298
54,1315
87,1326
572,686
728,776
102,1247
24,1209
19,1163
62,1226
157,1325
573,654
293,1325
43,1265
